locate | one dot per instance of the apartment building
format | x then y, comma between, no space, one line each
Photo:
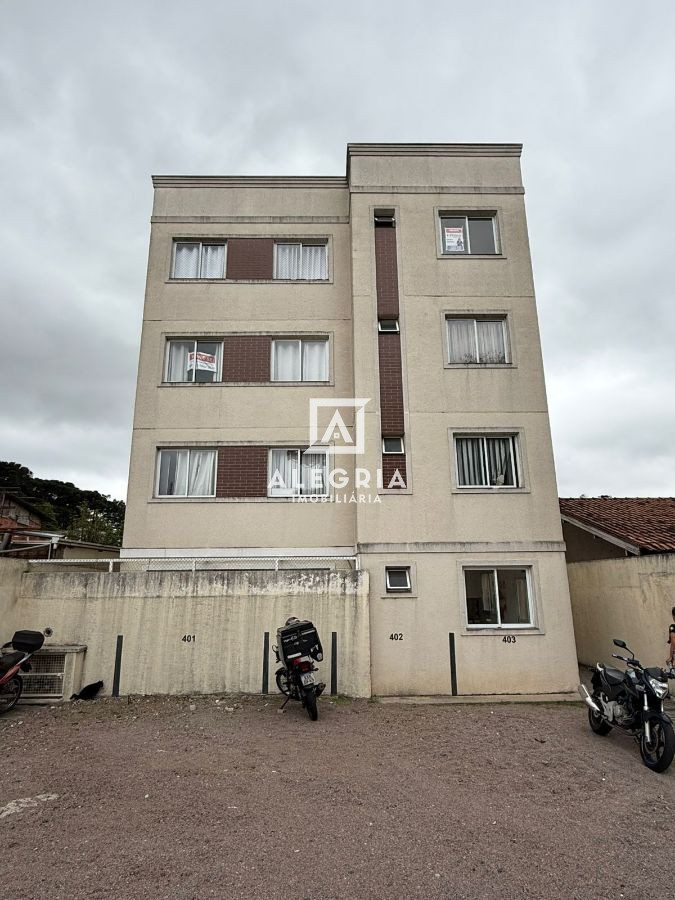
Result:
351,367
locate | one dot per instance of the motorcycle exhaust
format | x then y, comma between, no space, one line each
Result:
588,700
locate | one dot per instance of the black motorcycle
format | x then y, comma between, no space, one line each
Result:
633,701
297,648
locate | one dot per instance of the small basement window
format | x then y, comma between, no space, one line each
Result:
392,445
398,579
388,325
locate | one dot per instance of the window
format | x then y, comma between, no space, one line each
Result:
497,598
471,234
388,325
190,361
486,461
398,579
301,262
392,445
480,341
186,473
295,472
194,259
300,360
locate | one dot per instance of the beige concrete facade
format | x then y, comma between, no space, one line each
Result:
434,526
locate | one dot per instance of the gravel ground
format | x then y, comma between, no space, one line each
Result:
179,798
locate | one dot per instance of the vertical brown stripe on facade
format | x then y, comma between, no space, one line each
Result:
391,463
242,472
250,258
391,385
246,357
386,272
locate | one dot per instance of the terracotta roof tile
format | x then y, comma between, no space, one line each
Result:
647,522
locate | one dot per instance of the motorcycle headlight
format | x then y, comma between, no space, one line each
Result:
659,688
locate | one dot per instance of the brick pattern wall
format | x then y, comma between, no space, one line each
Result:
391,385
247,357
389,350
386,272
390,463
250,258
242,472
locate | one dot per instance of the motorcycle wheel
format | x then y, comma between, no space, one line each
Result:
657,753
282,681
597,723
310,706
9,694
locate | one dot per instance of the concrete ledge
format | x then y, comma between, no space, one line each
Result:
443,700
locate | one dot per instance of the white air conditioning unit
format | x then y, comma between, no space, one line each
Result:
56,673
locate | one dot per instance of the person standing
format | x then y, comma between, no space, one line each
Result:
671,642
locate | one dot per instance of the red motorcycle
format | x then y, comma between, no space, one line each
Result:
24,644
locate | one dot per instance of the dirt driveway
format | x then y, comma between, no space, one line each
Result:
151,798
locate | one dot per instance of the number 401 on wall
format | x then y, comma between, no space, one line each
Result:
189,638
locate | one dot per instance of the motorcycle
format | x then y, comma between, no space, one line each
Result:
632,701
24,644
298,646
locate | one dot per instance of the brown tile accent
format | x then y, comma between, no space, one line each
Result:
246,357
250,258
390,463
242,472
386,272
391,384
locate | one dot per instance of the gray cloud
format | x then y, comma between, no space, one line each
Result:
94,98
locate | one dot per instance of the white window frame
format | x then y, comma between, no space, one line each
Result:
297,492
314,340
395,330
195,341
393,452
318,243
503,626
216,243
476,320
189,450
517,469
398,590
466,216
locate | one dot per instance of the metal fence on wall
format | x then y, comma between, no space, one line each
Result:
199,564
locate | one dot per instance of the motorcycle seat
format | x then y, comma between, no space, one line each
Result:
7,660
613,676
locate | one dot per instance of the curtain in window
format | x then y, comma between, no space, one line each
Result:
491,342
186,263
213,258
177,368
513,597
470,465
500,461
489,595
461,341
286,361
283,474
289,257
173,468
202,471
313,473
314,262
315,360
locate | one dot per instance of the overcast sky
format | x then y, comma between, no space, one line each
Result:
95,97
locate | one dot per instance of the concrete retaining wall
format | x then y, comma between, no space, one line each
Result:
628,598
225,614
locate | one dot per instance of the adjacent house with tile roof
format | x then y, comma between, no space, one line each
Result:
611,527
621,569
